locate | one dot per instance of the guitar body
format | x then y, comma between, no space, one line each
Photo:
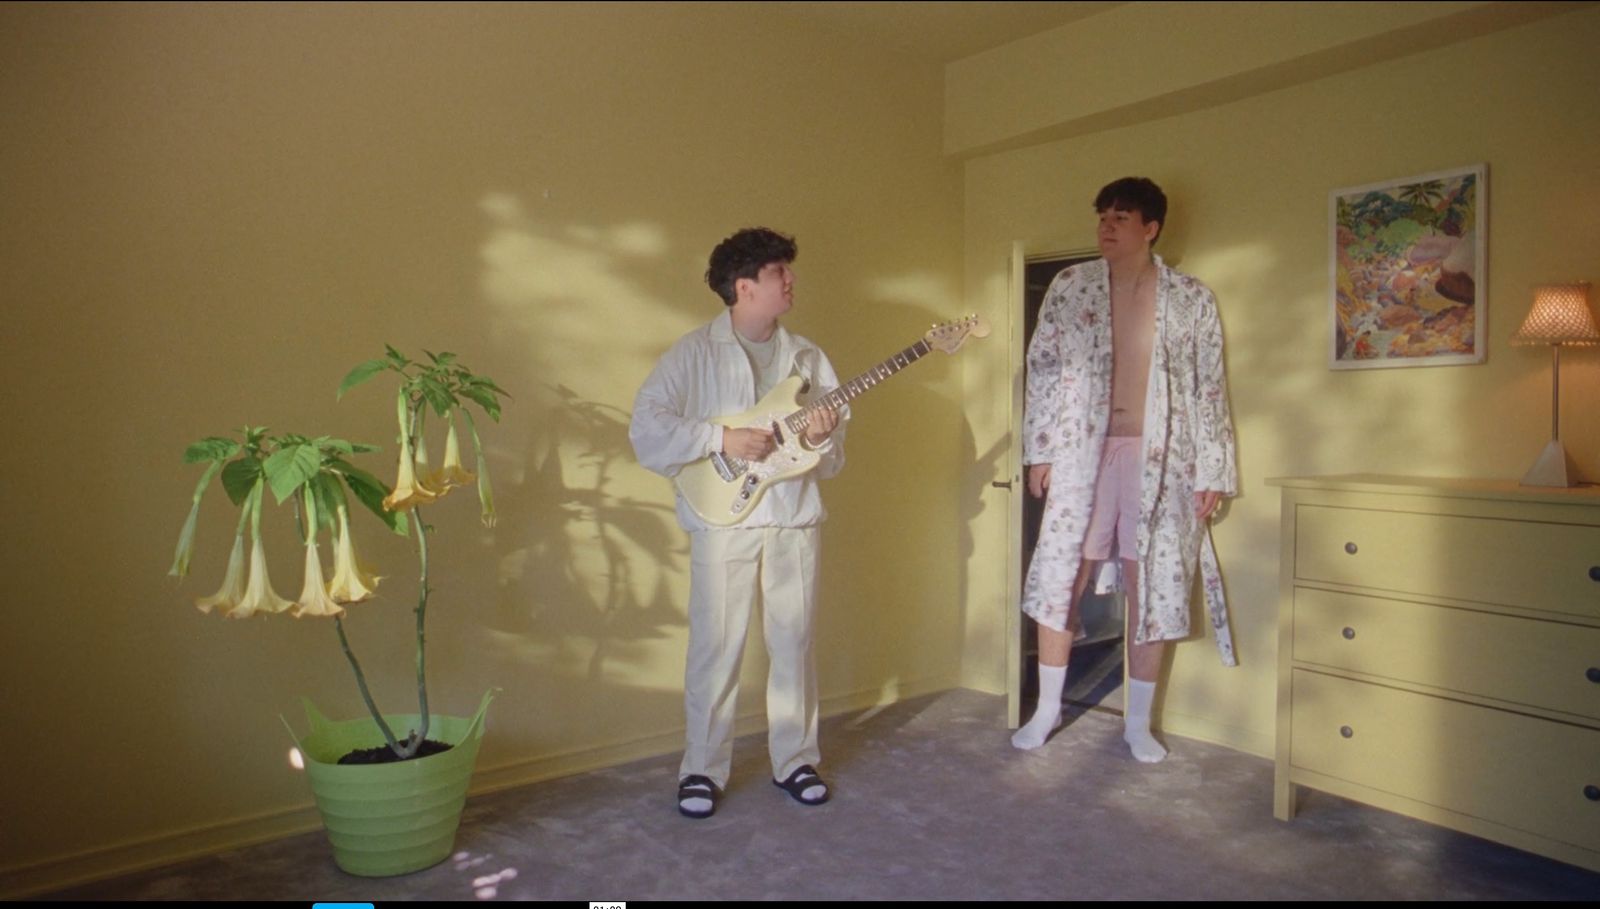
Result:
722,489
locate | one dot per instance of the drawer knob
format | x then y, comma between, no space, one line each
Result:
1350,634
1594,572
1592,793
1351,548
1593,674
1346,731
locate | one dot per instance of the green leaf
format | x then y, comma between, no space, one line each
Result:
252,438
396,357
438,395
485,399
211,448
363,448
239,477
290,467
325,444
443,359
371,492
362,373
486,382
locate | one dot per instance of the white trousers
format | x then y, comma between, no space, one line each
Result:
727,569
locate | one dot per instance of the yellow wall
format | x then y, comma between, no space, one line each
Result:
1249,183
213,211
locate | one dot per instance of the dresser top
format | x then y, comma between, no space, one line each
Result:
1510,490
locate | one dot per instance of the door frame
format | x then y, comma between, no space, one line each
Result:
1017,354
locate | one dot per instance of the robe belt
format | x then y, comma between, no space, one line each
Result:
1216,600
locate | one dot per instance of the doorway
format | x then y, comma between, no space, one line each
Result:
1095,668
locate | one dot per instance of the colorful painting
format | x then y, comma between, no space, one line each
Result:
1408,271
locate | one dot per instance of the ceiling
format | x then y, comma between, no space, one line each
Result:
940,32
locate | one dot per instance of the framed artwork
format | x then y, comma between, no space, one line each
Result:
1408,271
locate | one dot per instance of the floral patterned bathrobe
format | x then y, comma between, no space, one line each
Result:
1188,446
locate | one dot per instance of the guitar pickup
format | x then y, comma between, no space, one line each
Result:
727,468
777,433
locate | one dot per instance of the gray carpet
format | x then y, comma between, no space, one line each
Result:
930,802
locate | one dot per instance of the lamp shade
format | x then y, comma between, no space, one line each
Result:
1560,315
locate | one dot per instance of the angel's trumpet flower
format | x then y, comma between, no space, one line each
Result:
180,558
451,473
314,598
424,471
485,494
258,593
350,583
233,582
407,491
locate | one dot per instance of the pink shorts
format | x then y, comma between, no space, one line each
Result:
1116,501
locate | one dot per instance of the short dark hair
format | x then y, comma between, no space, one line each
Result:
1139,194
743,255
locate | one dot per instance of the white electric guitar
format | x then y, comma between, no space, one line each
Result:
723,489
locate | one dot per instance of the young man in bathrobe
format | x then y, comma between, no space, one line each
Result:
721,369
1127,435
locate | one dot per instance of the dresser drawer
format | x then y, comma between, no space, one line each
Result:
1525,661
1532,564
1518,771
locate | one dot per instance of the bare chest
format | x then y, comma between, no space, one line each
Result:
1132,339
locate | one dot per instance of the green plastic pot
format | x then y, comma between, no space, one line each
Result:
388,819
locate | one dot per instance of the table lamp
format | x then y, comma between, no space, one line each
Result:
1560,316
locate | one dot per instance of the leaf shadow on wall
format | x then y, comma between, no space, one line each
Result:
593,568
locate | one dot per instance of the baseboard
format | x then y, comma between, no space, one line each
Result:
1250,741
143,854
154,852
582,760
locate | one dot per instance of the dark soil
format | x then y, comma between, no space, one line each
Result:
383,754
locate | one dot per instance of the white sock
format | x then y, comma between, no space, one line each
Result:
1136,723
1047,716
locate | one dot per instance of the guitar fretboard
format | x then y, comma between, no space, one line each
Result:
844,394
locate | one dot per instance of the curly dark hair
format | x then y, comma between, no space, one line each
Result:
1139,194
743,255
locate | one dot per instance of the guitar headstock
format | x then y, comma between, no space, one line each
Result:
951,335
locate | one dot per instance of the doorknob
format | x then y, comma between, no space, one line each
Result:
1000,484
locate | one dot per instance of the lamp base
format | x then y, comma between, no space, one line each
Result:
1553,468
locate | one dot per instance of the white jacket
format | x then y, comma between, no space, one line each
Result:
706,374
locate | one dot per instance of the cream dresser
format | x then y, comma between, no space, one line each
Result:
1439,655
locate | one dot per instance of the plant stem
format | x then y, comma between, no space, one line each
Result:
366,695
422,614
422,593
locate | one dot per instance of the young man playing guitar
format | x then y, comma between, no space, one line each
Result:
722,368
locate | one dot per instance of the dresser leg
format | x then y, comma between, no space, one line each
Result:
1283,797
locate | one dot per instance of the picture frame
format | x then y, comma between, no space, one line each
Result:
1408,271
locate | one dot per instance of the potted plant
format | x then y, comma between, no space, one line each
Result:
402,814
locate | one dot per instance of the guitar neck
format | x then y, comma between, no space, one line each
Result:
858,386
